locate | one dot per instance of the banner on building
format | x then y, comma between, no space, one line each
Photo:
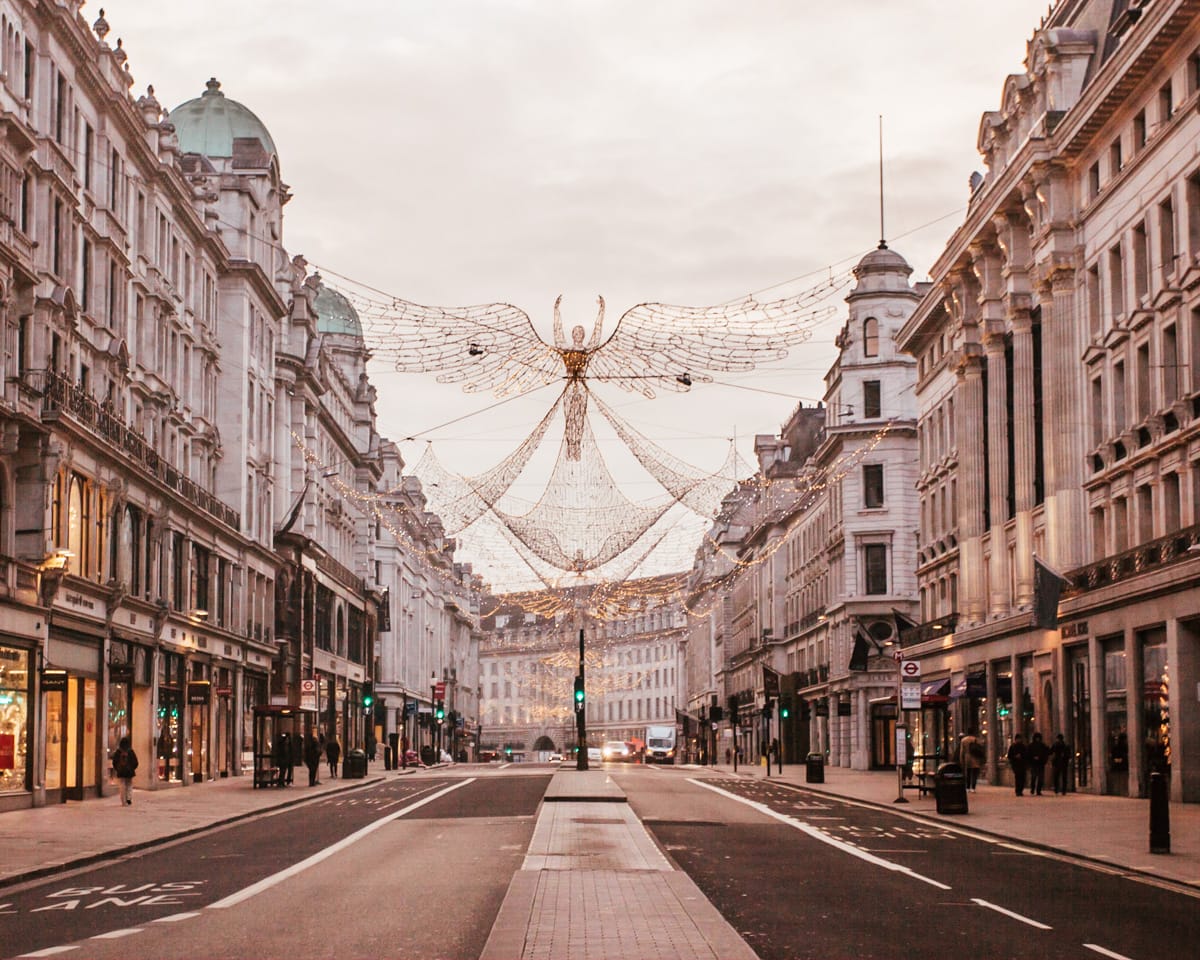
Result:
1047,588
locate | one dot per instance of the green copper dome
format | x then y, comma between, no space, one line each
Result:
211,122
335,314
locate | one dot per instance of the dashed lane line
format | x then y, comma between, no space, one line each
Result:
117,934
48,952
1105,953
1010,913
824,837
176,917
267,882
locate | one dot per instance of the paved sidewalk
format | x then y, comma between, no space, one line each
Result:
1111,830
45,840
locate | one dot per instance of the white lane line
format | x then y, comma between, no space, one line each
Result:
823,837
1106,953
175,917
1009,913
48,952
116,934
267,882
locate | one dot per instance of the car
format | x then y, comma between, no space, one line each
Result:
556,758
594,755
615,751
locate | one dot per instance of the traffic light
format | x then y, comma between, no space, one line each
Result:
733,711
766,710
368,696
785,708
439,712
579,695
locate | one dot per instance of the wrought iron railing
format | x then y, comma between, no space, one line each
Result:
327,565
61,396
929,630
1155,554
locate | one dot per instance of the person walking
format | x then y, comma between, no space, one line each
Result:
1018,759
1037,754
312,759
971,755
1060,762
332,752
283,759
125,764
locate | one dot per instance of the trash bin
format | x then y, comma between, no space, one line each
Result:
814,768
428,755
355,765
950,788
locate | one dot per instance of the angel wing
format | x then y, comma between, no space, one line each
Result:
492,346
658,345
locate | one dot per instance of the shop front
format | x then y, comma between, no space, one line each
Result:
70,689
15,697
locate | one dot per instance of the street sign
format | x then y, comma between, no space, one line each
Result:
770,683
439,690
910,669
308,695
910,696
901,746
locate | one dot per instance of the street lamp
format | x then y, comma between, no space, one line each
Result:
433,727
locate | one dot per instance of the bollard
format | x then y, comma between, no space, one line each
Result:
1160,815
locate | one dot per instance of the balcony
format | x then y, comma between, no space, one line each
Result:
929,630
331,568
1153,555
61,397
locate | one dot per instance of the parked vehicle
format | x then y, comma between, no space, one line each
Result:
660,744
594,755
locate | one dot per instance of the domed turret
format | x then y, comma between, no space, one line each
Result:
211,123
335,314
882,270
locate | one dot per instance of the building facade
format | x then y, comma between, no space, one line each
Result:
1058,356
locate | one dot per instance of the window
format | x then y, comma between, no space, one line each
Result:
1093,183
875,568
1170,366
89,146
1095,315
873,485
1145,517
1115,163
1143,381
1116,283
1166,103
1098,432
1139,131
1141,258
870,337
1166,237
1119,420
871,402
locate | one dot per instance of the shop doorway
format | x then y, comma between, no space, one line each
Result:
72,736
883,735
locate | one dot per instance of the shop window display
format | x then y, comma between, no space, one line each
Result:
14,718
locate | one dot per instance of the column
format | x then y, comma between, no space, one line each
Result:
969,412
1133,711
1025,447
997,442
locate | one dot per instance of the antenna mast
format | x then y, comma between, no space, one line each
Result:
882,234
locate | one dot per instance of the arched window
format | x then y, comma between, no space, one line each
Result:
870,337
76,525
340,635
124,558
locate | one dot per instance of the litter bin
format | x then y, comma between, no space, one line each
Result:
355,765
950,788
814,768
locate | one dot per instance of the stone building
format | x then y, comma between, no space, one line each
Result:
1058,364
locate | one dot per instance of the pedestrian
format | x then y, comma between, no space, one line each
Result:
125,764
1017,760
312,758
728,756
332,752
971,754
1060,761
283,759
1037,754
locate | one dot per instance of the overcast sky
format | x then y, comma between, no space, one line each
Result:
687,151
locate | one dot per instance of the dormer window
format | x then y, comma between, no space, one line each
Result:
870,337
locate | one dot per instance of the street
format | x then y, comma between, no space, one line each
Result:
418,866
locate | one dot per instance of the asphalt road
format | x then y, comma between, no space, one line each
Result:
800,874
412,867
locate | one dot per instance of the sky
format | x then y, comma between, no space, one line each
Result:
690,152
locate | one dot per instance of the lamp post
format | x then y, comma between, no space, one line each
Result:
581,757
433,727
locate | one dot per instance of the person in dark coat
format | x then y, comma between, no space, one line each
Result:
1018,759
312,759
1060,760
125,764
1037,754
332,752
283,758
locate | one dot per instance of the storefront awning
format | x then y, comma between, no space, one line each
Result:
935,691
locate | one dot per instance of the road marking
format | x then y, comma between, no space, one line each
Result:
116,934
817,834
267,882
1009,913
1107,953
173,918
49,951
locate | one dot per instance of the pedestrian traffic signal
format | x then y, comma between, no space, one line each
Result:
579,695
439,711
785,708
368,695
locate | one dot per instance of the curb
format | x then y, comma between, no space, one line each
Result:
48,870
983,831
